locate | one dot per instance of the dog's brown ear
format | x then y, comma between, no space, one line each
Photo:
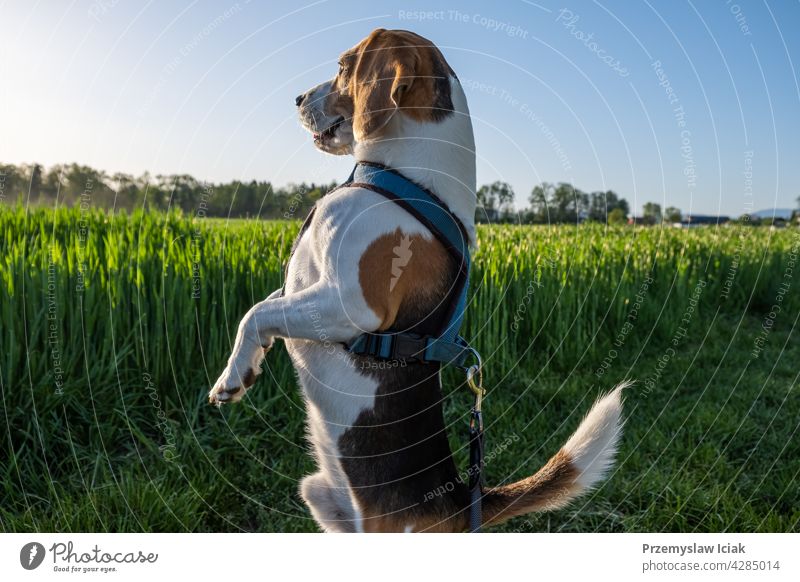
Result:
384,73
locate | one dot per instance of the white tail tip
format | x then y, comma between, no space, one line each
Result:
593,446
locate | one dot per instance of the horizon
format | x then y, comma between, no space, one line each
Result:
688,106
521,201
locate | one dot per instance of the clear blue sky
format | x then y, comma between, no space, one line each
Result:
207,88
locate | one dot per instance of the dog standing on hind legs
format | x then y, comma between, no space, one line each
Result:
377,429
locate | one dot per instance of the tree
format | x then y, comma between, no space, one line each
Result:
13,182
601,204
652,213
496,201
617,216
568,203
562,203
127,192
35,188
673,214
539,201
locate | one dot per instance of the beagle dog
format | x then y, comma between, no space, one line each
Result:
364,264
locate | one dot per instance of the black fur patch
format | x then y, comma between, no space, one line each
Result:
396,455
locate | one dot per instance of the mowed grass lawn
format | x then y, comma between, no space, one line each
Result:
113,328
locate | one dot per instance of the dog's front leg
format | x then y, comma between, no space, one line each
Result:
245,360
300,315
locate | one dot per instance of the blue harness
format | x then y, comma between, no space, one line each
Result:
446,346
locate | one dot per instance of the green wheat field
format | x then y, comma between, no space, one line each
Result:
114,327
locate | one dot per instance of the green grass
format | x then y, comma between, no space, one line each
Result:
127,441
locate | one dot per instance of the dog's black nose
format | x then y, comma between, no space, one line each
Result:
299,99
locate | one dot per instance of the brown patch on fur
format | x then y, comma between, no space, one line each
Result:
397,269
249,378
553,486
387,71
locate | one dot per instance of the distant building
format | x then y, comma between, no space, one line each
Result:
694,220
771,214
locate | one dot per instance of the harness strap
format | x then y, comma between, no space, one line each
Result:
412,348
446,346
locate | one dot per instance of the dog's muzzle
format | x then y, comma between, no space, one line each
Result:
332,132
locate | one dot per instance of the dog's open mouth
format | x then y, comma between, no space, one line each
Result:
328,133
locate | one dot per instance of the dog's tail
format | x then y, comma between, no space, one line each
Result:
577,467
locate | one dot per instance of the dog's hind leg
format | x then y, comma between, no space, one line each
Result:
327,510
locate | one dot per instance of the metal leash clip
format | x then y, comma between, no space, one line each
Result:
476,370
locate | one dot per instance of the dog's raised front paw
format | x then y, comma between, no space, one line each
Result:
231,386
239,375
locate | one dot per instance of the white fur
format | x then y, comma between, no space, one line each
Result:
593,446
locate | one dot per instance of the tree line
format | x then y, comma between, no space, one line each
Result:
75,184
550,203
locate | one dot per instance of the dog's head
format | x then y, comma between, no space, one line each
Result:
389,73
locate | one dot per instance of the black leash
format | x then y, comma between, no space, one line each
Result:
475,485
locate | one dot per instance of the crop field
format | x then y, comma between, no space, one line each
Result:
114,327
